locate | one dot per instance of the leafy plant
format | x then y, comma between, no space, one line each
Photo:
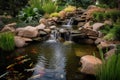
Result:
7,41
29,14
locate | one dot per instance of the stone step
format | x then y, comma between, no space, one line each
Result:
75,32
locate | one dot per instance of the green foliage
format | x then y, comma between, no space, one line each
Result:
114,33
29,14
106,29
109,70
110,3
49,7
36,9
7,41
37,4
98,16
103,5
114,15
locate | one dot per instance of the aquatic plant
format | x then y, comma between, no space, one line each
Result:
7,41
110,70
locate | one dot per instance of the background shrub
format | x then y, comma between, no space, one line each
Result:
114,33
11,7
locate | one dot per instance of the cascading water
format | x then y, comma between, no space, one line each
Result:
53,36
69,24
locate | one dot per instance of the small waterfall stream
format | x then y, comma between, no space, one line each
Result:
69,23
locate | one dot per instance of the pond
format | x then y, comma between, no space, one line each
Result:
48,60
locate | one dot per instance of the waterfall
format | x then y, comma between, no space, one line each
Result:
69,24
53,36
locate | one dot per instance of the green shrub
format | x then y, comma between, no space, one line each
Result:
113,15
114,33
103,5
70,8
49,7
29,14
106,29
98,16
55,14
37,4
7,41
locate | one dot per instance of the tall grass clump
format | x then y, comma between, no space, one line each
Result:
50,7
110,70
7,41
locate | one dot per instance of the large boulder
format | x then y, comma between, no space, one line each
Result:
87,25
98,40
20,41
9,27
97,26
89,64
29,32
62,14
43,21
89,32
103,45
108,22
41,26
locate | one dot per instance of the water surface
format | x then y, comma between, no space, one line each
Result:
49,60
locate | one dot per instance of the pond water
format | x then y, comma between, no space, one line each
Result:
48,60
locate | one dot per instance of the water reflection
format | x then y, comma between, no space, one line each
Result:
44,61
50,68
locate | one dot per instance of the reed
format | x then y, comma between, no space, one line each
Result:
110,70
7,41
